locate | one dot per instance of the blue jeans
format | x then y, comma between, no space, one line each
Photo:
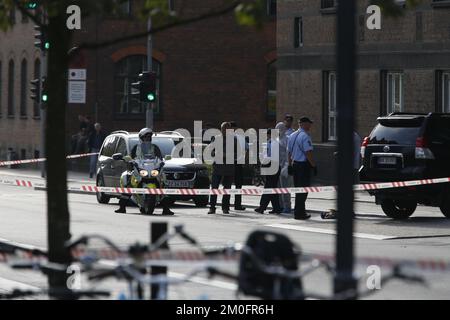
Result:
93,162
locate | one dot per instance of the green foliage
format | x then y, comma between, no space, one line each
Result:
391,8
251,13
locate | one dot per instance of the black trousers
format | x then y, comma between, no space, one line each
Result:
215,183
302,178
238,181
271,182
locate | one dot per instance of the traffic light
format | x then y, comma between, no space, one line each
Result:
44,97
41,39
35,90
149,79
145,88
31,5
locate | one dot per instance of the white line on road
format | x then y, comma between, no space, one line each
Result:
331,232
10,285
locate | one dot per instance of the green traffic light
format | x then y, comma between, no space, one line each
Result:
47,45
44,98
32,5
151,97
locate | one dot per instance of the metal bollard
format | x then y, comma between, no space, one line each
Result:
157,230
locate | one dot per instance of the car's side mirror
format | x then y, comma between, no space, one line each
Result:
117,156
167,158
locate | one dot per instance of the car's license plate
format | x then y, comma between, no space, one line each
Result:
387,160
178,184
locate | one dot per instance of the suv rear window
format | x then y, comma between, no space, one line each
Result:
403,135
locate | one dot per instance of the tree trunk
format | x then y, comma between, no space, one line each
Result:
58,218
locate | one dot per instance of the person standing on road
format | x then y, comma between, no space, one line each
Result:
222,172
301,159
239,168
95,143
288,122
284,181
271,180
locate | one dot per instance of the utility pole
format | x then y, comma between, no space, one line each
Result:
43,111
149,105
344,280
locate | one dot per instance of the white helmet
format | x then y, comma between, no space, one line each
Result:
144,132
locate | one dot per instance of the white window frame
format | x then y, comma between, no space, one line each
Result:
446,92
396,106
332,106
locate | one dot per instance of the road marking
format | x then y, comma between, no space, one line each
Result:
10,285
331,232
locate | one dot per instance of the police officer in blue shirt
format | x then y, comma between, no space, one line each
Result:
301,159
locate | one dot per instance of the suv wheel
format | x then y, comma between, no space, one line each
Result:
201,201
101,197
398,209
445,205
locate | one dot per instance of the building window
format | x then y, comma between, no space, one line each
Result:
394,92
171,5
327,4
330,112
271,90
11,88
446,92
271,8
298,32
36,75
127,71
23,88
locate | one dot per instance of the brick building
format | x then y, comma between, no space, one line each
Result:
213,70
405,66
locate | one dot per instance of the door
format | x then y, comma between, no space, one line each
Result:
119,166
106,161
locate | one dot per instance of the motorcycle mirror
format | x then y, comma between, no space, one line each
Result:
117,156
168,157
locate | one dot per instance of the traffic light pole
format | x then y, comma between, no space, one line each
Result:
149,105
43,112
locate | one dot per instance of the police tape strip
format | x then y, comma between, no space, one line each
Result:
188,257
15,162
246,191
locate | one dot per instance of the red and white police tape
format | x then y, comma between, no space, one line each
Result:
16,162
245,191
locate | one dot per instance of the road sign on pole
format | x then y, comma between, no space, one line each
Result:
77,92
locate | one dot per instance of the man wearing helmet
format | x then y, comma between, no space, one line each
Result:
144,150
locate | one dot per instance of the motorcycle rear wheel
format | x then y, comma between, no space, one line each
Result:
149,205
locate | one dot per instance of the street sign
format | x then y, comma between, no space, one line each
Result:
77,92
77,74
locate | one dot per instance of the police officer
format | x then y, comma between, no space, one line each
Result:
301,159
144,150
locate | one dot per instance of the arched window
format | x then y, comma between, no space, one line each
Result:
271,89
36,75
23,88
126,72
11,89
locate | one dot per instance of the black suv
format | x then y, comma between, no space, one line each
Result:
179,173
408,146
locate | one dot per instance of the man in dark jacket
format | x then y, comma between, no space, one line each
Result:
95,142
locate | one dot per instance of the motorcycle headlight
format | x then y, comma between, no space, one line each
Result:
143,173
154,173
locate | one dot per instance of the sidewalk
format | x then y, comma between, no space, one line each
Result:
250,201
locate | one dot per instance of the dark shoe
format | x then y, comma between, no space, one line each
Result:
121,210
226,211
302,216
239,208
212,211
275,211
259,210
167,212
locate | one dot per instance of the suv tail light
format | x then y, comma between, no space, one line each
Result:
364,144
422,150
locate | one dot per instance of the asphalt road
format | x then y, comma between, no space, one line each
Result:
424,236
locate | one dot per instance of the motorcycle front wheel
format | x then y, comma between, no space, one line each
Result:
149,205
